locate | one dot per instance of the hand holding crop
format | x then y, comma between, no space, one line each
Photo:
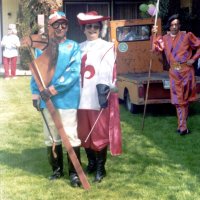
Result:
36,104
103,91
45,94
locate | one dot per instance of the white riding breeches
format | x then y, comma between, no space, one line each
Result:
69,121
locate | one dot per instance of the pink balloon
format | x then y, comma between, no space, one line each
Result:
151,10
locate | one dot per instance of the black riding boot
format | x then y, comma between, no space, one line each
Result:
56,163
92,163
73,176
101,160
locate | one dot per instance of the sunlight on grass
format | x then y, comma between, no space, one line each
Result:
156,164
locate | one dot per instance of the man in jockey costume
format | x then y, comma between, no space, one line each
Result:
178,47
64,91
98,113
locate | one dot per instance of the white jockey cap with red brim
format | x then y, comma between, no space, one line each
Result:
56,16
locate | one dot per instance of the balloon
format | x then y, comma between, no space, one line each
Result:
143,7
151,9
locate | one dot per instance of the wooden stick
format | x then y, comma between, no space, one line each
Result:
150,66
96,121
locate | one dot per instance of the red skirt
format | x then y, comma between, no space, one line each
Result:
106,132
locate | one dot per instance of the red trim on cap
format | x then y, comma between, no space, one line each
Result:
56,18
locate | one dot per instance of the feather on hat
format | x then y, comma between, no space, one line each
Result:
90,17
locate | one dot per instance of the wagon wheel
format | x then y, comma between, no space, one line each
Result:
130,106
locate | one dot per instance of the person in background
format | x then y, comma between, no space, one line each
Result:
64,91
144,33
126,34
178,47
10,44
98,113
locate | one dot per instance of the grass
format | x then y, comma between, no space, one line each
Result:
156,164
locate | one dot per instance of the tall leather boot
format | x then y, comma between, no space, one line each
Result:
73,176
92,162
101,160
56,163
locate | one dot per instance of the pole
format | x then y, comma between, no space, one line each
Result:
150,66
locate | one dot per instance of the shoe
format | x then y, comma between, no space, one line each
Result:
101,173
178,131
92,162
56,163
101,160
74,180
7,78
185,132
14,77
56,175
73,176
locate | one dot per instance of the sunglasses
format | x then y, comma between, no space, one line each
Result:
56,25
94,26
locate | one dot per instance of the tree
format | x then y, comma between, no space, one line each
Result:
27,20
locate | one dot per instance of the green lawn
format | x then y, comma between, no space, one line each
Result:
156,164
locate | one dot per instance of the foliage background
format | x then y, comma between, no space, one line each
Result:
163,8
27,23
